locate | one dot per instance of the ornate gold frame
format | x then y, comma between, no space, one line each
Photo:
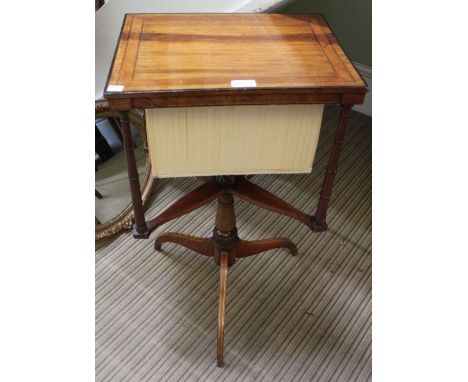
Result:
125,219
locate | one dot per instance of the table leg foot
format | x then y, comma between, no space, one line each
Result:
317,226
249,248
198,244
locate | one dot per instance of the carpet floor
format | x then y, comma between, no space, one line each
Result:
302,318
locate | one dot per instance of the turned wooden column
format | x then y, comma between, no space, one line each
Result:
140,230
225,236
223,270
330,173
225,241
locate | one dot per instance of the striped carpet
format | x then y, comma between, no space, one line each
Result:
303,318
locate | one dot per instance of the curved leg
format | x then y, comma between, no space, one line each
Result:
188,203
249,248
223,269
264,199
198,244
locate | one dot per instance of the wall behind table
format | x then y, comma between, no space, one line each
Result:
351,21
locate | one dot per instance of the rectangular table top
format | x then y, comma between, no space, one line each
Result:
160,56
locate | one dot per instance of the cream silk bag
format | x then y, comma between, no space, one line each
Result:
233,140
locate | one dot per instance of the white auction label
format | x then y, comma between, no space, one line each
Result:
115,88
243,83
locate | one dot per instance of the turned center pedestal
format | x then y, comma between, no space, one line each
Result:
224,246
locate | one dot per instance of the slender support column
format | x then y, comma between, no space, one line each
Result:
223,270
140,230
225,240
225,237
327,185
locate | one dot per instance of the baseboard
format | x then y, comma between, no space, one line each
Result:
366,72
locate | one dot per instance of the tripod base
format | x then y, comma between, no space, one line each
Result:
225,246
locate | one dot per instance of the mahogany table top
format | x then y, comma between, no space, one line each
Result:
218,59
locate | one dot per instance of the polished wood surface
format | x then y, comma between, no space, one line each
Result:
198,244
250,248
171,58
223,271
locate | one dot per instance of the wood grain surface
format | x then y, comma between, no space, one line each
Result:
177,53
